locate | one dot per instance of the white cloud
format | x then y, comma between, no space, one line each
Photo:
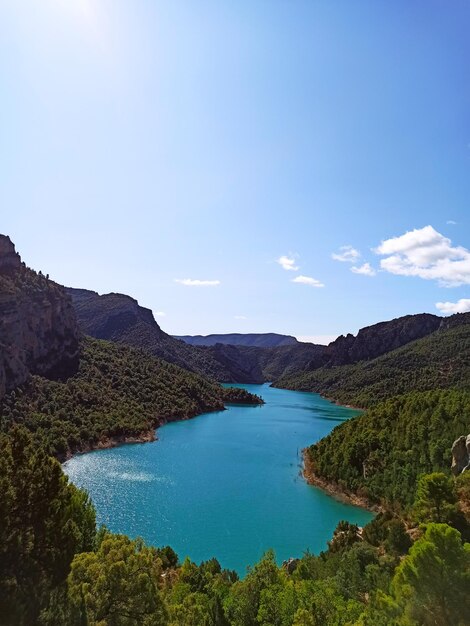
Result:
347,254
240,317
160,313
364,269
426,253
194,282
323,340
451,222
462,306
308,280
287,263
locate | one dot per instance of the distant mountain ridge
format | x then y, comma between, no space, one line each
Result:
292,364
120,318
373,341
75,393
438,360
257,340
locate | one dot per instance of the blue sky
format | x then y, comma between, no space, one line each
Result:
148,147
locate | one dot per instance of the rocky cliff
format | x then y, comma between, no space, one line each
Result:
461,455
112,316
118,317
373,341
38,328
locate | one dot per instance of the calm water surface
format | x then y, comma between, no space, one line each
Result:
224,484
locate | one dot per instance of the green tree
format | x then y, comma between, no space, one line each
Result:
243,602
432,582
44,521
118,585
278,604
398,541
435,498
303,618
463,489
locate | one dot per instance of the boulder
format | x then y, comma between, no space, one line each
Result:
290,565
461,455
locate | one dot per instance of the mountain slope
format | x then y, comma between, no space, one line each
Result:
118,393
73,393
120,318
440,360
381,453
373,341
256,340
38,327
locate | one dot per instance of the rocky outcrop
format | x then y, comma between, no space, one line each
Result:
373,341
10,260
461,455
120,318
290,565
112,315
38,328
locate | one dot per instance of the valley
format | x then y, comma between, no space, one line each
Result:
83,374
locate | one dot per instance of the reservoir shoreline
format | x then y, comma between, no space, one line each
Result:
245,462
333,489
145,436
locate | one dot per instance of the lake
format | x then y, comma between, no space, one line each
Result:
225,484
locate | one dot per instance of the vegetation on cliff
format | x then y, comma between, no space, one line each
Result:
38,328
439,361
119,318
381,454
57,569
118,392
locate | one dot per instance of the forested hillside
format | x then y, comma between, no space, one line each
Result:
251,358
440,360
57,569
381,454
118,393
120,318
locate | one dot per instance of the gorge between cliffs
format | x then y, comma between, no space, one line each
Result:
227,482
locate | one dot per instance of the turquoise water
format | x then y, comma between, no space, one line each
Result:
224,484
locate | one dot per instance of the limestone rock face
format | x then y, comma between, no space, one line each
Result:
38,328
120,318
10,260
461,455
373,341
112,316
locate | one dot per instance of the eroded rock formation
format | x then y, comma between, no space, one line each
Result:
373,341
461,455
38,328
